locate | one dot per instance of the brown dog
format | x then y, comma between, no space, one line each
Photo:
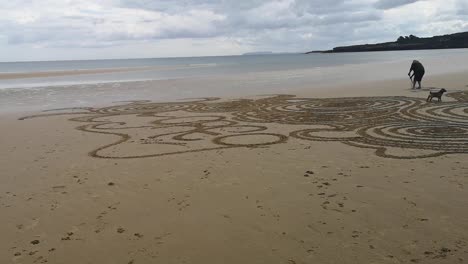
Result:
437,95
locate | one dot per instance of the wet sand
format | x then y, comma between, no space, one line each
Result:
22,75
305,179
44,74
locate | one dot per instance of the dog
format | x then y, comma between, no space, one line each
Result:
437,95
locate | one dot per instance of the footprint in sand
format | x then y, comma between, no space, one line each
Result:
113,206
206,174
181,204
68,237
58,188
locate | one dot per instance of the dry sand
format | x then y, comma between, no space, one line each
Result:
259,181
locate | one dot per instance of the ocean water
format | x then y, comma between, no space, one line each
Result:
169,79
325,67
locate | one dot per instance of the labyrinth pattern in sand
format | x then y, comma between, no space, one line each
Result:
410,125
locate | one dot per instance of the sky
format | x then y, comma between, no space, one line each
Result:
109,29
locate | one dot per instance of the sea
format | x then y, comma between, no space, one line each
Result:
190,67
163,79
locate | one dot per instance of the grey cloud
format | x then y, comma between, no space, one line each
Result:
349,17
388,4
123,25
462,6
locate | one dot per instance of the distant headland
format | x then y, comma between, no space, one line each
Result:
411,42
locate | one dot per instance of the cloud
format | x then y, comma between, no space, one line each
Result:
115,26
388,4
462,7
84,21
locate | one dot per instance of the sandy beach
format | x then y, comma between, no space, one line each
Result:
360,173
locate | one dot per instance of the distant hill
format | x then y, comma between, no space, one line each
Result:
451,41
258,53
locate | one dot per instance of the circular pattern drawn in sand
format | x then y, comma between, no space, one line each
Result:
332,111
190,120
250,140
144,107
436,136
221,107
450,112
380,123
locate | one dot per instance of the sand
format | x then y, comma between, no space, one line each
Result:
57,73
364,173
22,75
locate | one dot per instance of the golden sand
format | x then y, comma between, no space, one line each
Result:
365,178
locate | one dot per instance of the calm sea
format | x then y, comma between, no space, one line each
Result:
440,61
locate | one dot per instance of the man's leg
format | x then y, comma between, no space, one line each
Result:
419,82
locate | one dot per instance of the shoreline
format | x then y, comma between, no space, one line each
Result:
59,73
16,100
54,73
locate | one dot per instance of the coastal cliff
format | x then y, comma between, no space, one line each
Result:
451,41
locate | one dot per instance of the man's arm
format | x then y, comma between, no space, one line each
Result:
411,69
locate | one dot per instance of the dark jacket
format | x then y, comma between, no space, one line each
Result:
417,67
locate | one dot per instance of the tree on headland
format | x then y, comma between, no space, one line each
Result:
409,38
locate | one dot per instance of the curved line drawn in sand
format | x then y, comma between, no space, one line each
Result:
393,126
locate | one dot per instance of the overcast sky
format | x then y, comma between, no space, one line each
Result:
99,29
